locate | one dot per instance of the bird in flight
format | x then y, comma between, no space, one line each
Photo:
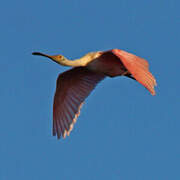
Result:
74,86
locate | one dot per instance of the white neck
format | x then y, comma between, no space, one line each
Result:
80,62
72,63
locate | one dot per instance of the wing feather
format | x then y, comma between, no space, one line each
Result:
138,67
72,89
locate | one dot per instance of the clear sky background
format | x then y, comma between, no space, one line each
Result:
123,132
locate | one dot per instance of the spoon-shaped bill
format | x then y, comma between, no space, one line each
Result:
41,54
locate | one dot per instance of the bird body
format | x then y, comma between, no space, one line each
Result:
74,86
107,64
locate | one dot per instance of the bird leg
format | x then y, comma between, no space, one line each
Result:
129,76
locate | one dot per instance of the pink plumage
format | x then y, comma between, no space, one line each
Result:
74,85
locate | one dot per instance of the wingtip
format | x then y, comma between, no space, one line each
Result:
153,93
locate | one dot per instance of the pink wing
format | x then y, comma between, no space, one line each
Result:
138,67
73,86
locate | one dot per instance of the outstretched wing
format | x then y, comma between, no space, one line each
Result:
73,86
138,67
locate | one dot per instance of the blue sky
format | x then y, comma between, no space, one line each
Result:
123,132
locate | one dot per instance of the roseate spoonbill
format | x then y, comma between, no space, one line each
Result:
74,85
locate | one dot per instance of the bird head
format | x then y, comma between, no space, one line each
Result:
56,58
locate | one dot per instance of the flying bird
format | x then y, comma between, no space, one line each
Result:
74,86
